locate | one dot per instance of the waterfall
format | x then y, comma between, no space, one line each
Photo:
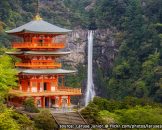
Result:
90,92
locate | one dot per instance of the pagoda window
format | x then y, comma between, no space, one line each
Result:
34,86
45,86
34,39
53,88
49,58
40,58
34,58
41,86
41,41
43,58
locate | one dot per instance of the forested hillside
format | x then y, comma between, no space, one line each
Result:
136,70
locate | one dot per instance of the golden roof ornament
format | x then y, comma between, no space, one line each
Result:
37,17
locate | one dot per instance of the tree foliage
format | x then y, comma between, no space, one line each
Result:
130,110
30,106
7,74
11,120
45,121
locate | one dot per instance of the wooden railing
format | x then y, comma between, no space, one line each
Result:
30,45
69,89
59,91
38,65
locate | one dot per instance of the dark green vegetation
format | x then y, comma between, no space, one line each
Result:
134,72
137,67
45,121
127,111
7,73
10,120
29,105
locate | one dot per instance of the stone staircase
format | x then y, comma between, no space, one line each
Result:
69,118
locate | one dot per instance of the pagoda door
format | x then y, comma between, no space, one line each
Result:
45,86
46,101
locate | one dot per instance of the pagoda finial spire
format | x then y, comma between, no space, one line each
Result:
37,17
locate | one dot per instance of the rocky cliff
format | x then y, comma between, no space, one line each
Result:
105,50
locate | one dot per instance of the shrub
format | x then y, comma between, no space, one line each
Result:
91,113
29,105
140,115
108,117
45,121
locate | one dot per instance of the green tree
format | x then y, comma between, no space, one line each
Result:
30,106
7,122
11,120
7,74
45,121
91,113
135,53
140,115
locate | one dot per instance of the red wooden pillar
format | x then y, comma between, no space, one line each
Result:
38,86
60,102
48,86
69,100
43,102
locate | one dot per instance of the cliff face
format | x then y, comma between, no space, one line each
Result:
105,48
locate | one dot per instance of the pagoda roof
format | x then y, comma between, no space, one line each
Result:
56,53
39,26
46,71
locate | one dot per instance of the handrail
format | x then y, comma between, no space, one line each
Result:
55,64
75,90
69,89
38,45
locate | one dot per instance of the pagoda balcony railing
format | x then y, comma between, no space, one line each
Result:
33,45
59,91
37,65
68,89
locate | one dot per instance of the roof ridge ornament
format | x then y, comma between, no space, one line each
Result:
37,17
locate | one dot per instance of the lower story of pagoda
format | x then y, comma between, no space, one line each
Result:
59,98
43,101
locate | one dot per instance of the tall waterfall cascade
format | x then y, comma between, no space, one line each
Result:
90,91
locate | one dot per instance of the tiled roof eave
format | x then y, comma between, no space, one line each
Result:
46,71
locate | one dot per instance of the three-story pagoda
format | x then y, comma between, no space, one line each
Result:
40,72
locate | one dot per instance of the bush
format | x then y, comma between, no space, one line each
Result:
29,105
45,121
131,110
105,104
140,115
108,117
91,113
11,120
